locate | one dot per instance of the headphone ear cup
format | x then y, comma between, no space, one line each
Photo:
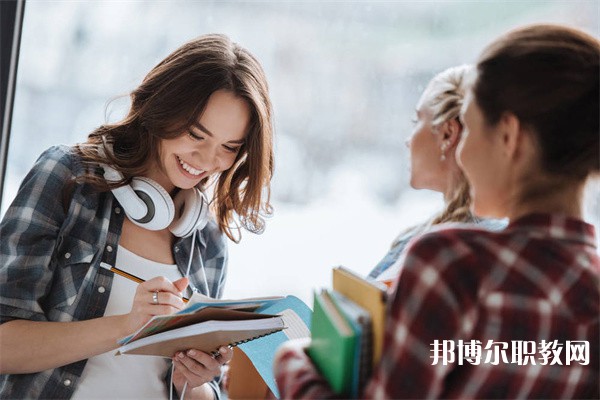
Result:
192,212
160,205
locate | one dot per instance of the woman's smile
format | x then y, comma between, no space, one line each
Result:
189,171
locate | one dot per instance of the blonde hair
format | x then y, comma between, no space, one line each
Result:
444,96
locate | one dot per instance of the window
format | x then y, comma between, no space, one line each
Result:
344,78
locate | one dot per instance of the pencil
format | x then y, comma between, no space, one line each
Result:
134,278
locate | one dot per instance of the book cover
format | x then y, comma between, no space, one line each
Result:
333,345
261,352
360,320
370,295
199,300
206,336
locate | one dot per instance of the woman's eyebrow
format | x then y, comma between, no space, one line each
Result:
203,128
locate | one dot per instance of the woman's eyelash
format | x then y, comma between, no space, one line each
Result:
228,148
231,149
194,136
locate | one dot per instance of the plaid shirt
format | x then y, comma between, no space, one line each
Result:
532,285
399,245
50,261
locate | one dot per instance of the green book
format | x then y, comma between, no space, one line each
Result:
360,321
333,344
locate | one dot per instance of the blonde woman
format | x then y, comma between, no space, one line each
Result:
436,134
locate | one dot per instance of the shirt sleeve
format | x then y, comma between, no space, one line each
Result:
432,301
29,232
298,378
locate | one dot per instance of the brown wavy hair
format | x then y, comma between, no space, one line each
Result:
168,101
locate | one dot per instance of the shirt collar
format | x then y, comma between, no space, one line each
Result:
557,226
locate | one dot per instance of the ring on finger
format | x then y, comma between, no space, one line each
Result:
155,297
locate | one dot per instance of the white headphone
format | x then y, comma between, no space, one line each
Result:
149,205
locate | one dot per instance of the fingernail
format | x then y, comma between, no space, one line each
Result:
180,355
223,350
191,353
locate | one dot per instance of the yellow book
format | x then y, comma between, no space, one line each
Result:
370,295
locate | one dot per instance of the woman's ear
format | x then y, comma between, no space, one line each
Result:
511,134
450,133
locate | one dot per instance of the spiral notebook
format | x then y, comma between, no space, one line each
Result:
196,311
213,328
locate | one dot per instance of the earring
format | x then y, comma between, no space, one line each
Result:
443,148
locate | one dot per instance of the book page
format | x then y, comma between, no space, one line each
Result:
296,328
199,298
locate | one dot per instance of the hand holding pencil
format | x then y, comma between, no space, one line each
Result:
156,296
135,279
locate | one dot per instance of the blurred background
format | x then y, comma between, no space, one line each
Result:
344,78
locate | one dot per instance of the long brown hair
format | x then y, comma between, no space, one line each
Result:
166,104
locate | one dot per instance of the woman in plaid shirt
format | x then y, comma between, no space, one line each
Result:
515,313
201,116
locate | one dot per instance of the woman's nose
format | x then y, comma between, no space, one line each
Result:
210,158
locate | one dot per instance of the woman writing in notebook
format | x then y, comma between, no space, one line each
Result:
130,199
433,143
531,142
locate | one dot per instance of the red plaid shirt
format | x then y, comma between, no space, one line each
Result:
522,297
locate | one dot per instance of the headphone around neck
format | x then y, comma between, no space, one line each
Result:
149,205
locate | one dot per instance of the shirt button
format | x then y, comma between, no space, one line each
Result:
176,249
67,255
101,289
67,382
117,210
109,249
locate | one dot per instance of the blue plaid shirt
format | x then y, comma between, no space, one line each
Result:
50,261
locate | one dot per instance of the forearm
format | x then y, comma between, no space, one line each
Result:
30,346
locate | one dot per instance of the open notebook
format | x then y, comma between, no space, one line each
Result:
231,322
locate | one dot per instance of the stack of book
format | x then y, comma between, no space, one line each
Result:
347,330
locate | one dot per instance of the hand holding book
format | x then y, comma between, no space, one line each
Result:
347,330
194,368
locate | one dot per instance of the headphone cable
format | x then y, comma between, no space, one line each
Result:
187,273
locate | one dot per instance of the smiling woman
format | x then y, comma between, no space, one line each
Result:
210,145
131,197
192,94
